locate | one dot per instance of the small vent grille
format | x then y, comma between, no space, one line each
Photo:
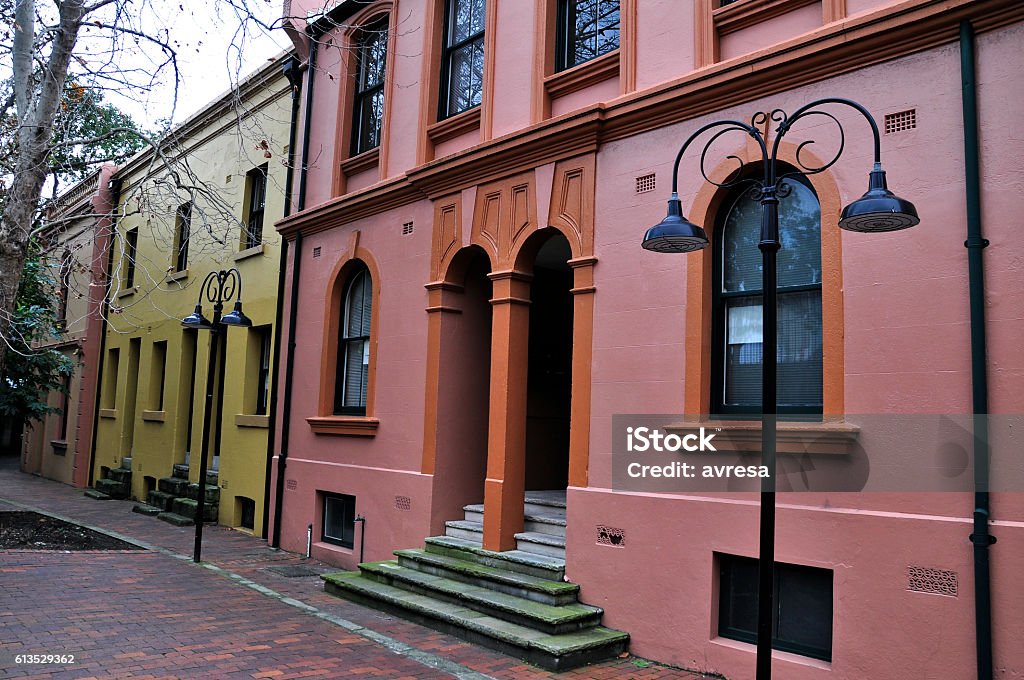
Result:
223,483
928,580
291,484
900,121
611,536
316,251
646,183
403,503
406,228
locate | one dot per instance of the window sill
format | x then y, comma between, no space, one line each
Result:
456,125
793,438
154,416
777,654
345,426
740,15
176,276
332,548
125,293
60,447
364,161
583,75
249,252
108,413
249,420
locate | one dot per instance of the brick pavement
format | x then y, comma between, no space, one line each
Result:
155,614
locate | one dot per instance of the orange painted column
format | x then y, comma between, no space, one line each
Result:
505,486
582,361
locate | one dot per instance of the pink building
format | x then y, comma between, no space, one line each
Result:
470,307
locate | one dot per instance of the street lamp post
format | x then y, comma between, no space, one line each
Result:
878,210
218,287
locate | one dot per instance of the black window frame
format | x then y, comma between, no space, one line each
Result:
344,341
448,52
256,185
720,317
349,508
182,235
64,290
131,251
366,36
784,574
263,370
566,35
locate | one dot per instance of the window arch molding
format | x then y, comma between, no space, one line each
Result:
706,205
355,260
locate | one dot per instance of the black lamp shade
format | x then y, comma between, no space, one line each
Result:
196,319
879,210
675,233
236,318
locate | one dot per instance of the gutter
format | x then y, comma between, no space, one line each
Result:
282,457
975,244
294,76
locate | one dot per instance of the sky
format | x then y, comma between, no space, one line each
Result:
212,53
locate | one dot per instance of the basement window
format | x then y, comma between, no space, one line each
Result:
339,520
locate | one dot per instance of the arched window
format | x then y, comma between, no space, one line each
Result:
737,347
354,345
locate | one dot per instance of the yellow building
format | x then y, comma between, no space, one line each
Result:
207,204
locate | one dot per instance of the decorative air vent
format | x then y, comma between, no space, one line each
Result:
646,183
928,580
406,228
291,484
403,503
316,251
900,121
611,536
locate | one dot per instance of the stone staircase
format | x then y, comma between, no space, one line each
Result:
116,483
175,499
516,602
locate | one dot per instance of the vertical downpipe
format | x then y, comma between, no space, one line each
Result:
975,244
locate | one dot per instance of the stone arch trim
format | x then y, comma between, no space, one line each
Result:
704,210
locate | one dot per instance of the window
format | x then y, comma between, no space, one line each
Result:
64,292
65,407
245,512
256,190
182,232
802,620
586,29
131,249
157,376
110,379
263,370
462,63
371,60
339,519
354,346
736,361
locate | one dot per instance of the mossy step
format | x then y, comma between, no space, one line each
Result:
505,581
212,492
126,463
180,471
112,488
175,519
148,510
543,539
120,475
96,495
542,566
188,508
552,652
160,499
175,486
544,617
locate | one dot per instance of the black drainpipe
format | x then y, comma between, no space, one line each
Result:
115,201
293,303
975,244
294,76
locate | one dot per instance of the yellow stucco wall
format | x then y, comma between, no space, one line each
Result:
223,143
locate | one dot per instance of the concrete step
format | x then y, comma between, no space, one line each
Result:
541,544
96,495
467,531
161,499
212,477
541,566
180,471
550,521
175,486
126,463
212,493
502,580
550,503
175,519
112,488
187,507
553,652
148,510
550,619
120,475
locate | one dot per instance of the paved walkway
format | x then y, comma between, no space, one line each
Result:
154,614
